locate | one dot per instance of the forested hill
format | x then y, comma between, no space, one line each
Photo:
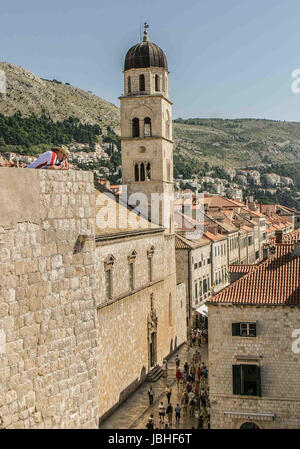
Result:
236,143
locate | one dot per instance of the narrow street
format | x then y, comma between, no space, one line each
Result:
135,411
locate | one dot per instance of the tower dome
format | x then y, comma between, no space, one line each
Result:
145,54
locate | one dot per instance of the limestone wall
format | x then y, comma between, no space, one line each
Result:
48,322
280,374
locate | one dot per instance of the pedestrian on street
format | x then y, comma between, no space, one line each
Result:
169,412
150,394
203,397
165,368
186,367
177,413
150,424
168,391
177,361
200,422
178,376
161,412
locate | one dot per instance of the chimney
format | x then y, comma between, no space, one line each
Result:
278,236
266,252
296,250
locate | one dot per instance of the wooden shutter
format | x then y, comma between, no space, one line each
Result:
258,380
236,379
235,329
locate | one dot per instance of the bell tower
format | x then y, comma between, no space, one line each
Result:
146,130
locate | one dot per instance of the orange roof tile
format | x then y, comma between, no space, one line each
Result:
275,282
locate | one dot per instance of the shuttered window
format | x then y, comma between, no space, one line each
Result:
245,329
246,380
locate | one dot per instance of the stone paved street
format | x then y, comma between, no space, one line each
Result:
135,411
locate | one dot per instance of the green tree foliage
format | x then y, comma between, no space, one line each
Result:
25,132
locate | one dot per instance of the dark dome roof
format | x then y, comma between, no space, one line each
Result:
145,54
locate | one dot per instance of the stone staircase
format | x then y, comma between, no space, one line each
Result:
154,374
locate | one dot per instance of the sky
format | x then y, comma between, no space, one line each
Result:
227,59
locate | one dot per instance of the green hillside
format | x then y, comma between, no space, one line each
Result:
236,143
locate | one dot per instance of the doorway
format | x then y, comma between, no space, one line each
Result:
152,349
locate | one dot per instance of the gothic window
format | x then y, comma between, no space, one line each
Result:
129,84
142,171
136,172
150,269
142,83
148,171
108,267
135,127
157,83
131,276
147,127
150,266
131,260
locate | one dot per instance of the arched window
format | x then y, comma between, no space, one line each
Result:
142,172
136,172
142,83
147,127
148,171
167,125
135,127
129,84
157,83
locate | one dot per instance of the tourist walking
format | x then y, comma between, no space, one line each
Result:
177,361
150,394
165,368
178,376
168,391
161,412
169,413
177,413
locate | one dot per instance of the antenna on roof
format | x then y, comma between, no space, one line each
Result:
140,28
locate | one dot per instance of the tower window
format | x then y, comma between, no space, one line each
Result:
129,84
136,172
147,127
131,276
142,83
142,171
135,127
157,83
148,171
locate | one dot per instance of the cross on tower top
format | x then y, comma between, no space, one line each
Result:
145,38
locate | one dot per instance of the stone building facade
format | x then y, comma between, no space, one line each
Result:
142,312
48,317
254,346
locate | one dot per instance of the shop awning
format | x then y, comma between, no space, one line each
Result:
203,310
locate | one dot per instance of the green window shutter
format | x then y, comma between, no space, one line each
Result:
253,329
258,381
236,379
235,329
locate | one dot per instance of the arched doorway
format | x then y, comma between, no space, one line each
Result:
249,425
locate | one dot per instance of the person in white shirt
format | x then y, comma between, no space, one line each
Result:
55,159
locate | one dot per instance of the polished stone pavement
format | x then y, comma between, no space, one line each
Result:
135,411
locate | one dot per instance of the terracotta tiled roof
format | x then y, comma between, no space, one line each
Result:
275,282
214,237
241,268
183,243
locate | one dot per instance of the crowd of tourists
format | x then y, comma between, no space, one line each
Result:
191,390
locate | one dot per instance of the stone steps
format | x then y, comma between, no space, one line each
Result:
154,374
